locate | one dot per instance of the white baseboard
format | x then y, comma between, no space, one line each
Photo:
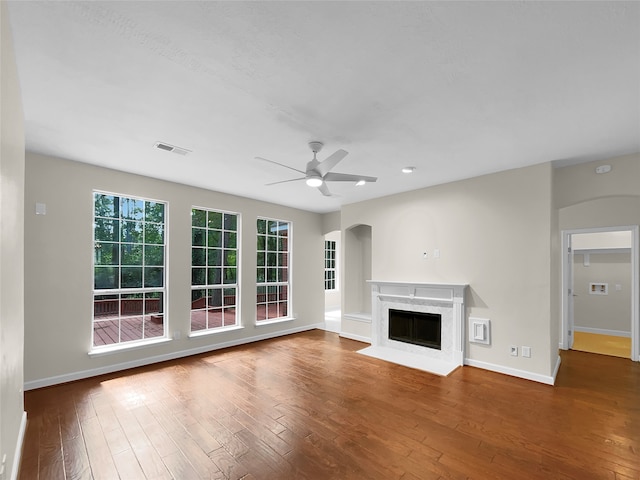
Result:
602,331
357,338
514,372
70,377
17,456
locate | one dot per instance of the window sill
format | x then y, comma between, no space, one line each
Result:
96,352
275,320
204,333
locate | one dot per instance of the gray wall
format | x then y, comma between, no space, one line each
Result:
11,251
58,248
494,233
603,312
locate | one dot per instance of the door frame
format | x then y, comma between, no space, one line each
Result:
566,339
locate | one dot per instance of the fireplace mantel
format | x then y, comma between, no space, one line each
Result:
446,299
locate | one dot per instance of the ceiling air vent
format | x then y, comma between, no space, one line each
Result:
171,148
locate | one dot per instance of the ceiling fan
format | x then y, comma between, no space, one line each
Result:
318,173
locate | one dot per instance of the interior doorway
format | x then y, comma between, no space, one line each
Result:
600,291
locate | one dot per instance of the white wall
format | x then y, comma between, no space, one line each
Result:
602,312
600,240
495,234
12,415
58,248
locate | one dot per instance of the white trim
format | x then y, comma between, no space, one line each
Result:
17,455
357,338
514,372
213,331
126,346
69,377
602,331
358,317
556,369
261,323
596,251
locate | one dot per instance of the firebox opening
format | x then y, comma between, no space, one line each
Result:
415,327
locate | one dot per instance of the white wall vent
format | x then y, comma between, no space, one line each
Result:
171,148
480,330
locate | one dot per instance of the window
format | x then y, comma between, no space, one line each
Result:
214,269
273,269
128,270
329,265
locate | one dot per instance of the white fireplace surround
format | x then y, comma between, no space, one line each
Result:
444,299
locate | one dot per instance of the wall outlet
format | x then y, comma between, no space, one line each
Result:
526,352
513,350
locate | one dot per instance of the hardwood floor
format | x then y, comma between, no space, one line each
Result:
306,406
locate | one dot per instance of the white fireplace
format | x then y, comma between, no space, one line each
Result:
437,299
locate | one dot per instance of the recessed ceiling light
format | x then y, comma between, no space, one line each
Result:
408,169
171,148
603,169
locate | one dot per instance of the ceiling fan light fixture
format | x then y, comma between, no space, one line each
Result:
359,183
314,181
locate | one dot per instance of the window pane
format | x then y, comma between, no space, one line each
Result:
154,233
260,259
153,276
272,244
106,230
283,229
198,237
272,227
214,276
131,277
105,277
198,256
131,232
215,257
283,243
153,302
198,218
214,238
229,275
132,209
262,227
230,258
198,298
215,220
106,254
229,296
153,255
230,239
106,206
106,306
261,242
215,297
261,275
131,254
154,212
198,276
230,222
131,304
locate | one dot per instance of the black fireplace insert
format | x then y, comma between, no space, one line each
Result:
417,328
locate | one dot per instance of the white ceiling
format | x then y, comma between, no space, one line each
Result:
457,89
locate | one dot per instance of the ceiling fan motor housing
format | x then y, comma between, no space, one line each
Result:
315,146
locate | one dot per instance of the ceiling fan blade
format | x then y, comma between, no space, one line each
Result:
281,164
324,190
331,161
285,181
347,177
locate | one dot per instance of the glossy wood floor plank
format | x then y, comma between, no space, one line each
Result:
308,407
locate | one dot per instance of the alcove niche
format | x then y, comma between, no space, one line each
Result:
357,270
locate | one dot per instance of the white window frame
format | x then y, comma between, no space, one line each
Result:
269,285
121,291
334,268
214,286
